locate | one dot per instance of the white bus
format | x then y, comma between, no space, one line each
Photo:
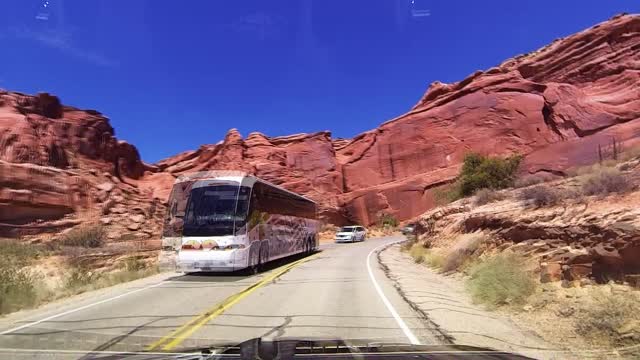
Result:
228,221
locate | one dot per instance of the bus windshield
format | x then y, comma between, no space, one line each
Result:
215,210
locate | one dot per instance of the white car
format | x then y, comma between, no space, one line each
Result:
351,234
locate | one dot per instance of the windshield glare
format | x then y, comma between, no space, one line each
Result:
214,211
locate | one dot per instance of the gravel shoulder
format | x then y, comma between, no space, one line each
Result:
444,302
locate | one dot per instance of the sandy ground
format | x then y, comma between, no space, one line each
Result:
444,301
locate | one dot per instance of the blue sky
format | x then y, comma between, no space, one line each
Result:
172,75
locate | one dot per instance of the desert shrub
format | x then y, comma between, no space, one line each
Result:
485,196
540,195
87,236
19,252
446,194
134,263
433,259
420,255
607,313
18,284
78,279
417,252
388,221
465,247
501,280
81,279
604,182
482,172
18,287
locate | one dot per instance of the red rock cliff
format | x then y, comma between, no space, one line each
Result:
553,105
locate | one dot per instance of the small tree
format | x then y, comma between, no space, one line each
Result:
483,172
388,220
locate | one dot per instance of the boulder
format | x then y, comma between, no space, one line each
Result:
133,226
137,218
550,272
106,186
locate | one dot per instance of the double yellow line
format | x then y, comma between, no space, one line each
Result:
183,332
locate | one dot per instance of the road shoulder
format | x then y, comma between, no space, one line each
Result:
444,303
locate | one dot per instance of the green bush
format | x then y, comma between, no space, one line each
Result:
501,280
483,172
87,236
388,221
446,194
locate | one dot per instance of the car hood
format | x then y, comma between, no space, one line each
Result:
288,348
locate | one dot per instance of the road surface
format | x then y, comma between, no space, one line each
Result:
338,293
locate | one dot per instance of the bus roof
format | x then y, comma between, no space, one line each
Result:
232,175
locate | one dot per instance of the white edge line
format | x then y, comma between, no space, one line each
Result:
6,332
407,332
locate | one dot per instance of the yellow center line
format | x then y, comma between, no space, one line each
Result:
183,332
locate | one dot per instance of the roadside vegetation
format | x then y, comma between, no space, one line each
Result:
501,280
611,316
540,195
486,196
19,286
480,172
23,282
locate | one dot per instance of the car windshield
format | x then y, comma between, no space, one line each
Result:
180,175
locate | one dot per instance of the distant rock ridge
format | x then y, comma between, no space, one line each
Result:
554,105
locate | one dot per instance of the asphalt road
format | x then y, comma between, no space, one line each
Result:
338,293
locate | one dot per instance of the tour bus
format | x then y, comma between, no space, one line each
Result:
229,220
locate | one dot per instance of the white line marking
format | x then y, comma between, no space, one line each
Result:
80,308
407,332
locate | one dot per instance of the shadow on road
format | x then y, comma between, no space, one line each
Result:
237,275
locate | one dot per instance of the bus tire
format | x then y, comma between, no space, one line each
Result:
309,245
257,266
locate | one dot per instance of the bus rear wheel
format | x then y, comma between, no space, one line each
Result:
257,267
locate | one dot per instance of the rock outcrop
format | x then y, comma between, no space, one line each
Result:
555,106
581,237
61,166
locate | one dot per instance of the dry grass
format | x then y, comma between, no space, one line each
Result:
465,248
485,196
608,315
417,253
422,255
81,279
19,286
87,236
540,195
23,287
501,280
604,182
